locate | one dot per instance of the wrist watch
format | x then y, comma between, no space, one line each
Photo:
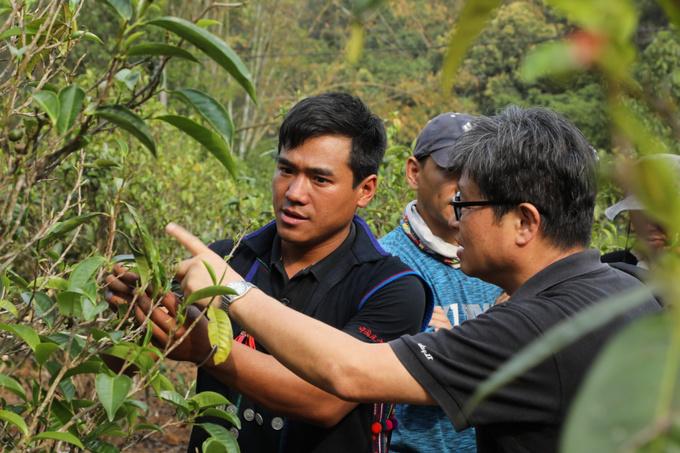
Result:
240,287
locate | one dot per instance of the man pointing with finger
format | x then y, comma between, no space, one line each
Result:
319,259
525,209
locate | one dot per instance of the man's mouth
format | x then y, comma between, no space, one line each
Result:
292,217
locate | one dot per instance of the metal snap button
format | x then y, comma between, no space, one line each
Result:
249,415
277,423
258,419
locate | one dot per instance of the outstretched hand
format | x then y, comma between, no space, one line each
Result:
192,272
188,343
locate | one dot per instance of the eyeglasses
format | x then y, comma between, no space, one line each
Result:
459,205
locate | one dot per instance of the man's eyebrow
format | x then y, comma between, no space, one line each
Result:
321,171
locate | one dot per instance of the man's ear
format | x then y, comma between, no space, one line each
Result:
528,223
412,172
366,190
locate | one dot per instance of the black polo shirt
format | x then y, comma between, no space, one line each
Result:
358,289
526,415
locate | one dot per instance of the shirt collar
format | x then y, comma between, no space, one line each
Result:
572,266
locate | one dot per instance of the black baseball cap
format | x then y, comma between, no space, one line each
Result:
439,135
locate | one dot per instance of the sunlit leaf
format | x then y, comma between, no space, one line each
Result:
160,49
205,23
122,7
60,436
14,419
220,333
12,385
470,22
27,334
210,109
558,337
355,43
212,141
9,307
212,46
130,122
48,103
112,392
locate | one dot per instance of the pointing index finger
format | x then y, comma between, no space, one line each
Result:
190,242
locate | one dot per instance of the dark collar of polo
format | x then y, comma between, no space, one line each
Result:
579,263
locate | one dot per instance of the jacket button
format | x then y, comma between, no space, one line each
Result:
277,423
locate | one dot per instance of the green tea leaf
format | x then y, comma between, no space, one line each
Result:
87,35
49,103
14,419
156,49
205,23
209,399
212,141
70,101
9,306
43,352
176,399
211,445
28,335
210,109
470,23
83,273
128,78
222,435
92,366
61,228
130,122
220,333
212,46
208,292
12,385
112,392
122,7
62,437
219,413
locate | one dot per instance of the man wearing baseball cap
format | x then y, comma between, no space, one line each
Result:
652,238
425,240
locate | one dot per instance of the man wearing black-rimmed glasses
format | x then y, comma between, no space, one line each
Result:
527,195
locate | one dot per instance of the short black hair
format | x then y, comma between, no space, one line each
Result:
338,114
534,155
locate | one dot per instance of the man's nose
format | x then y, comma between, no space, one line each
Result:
298,190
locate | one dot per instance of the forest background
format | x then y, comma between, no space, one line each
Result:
108,195
296,49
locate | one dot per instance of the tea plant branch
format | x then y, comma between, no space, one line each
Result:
51,391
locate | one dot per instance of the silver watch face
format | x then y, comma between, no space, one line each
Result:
240,287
